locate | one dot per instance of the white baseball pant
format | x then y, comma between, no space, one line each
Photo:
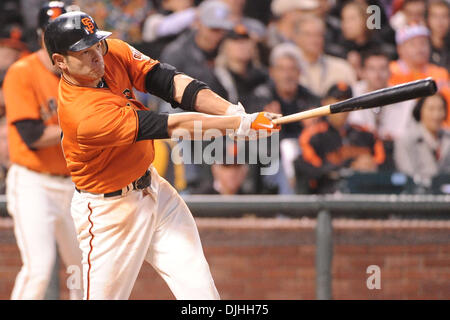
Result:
40,207
118,234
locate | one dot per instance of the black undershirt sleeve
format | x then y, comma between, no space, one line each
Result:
30,130
159,81
152,125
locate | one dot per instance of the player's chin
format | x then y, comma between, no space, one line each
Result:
98,72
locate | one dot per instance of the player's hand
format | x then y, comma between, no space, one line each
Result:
256,125
235,110
263,121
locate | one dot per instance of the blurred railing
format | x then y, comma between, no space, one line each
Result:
324,207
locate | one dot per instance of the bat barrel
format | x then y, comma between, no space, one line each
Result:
378,98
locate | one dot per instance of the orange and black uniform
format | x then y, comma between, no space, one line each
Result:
324,149
101,125
31,93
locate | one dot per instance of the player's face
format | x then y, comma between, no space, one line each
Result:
87,65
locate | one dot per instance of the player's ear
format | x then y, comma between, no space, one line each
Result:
59,61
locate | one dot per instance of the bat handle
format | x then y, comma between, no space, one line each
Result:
316,112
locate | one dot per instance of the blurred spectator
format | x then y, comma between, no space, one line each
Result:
174,17
333,23
286,14
255,28
283,94
329,145
237,66
123,18
413,47
389,122
11,47
194,52
10,13
438,21
386,32
230,178
414,54
355,36
425,152
319,71
410,12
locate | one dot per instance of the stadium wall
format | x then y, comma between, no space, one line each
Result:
254,258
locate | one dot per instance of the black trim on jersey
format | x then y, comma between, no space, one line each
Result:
152,125
30,130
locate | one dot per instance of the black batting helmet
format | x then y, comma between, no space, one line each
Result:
72,31
50,11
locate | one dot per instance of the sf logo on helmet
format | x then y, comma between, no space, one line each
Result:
88,25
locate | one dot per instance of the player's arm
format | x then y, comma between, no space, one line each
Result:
156,126
201,98
113,125
180,90
189,94
36,134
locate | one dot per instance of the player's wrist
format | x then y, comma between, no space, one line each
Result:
235,110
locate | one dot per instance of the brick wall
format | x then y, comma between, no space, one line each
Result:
274,259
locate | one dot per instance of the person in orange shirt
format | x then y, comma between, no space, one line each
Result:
123,210
413,48
39,189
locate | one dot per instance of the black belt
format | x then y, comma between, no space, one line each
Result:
138,184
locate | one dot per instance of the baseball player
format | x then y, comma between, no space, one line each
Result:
39,188
124,212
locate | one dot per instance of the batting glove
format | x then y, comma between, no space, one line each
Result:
256,125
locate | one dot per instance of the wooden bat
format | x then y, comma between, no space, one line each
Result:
378,98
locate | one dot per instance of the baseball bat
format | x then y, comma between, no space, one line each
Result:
378,98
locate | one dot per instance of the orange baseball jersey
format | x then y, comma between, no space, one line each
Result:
401,74
100,125
31,92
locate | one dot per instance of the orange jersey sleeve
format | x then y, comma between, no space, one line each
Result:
136,63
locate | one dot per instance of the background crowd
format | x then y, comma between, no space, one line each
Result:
287,56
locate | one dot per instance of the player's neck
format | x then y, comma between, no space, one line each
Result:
81,83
